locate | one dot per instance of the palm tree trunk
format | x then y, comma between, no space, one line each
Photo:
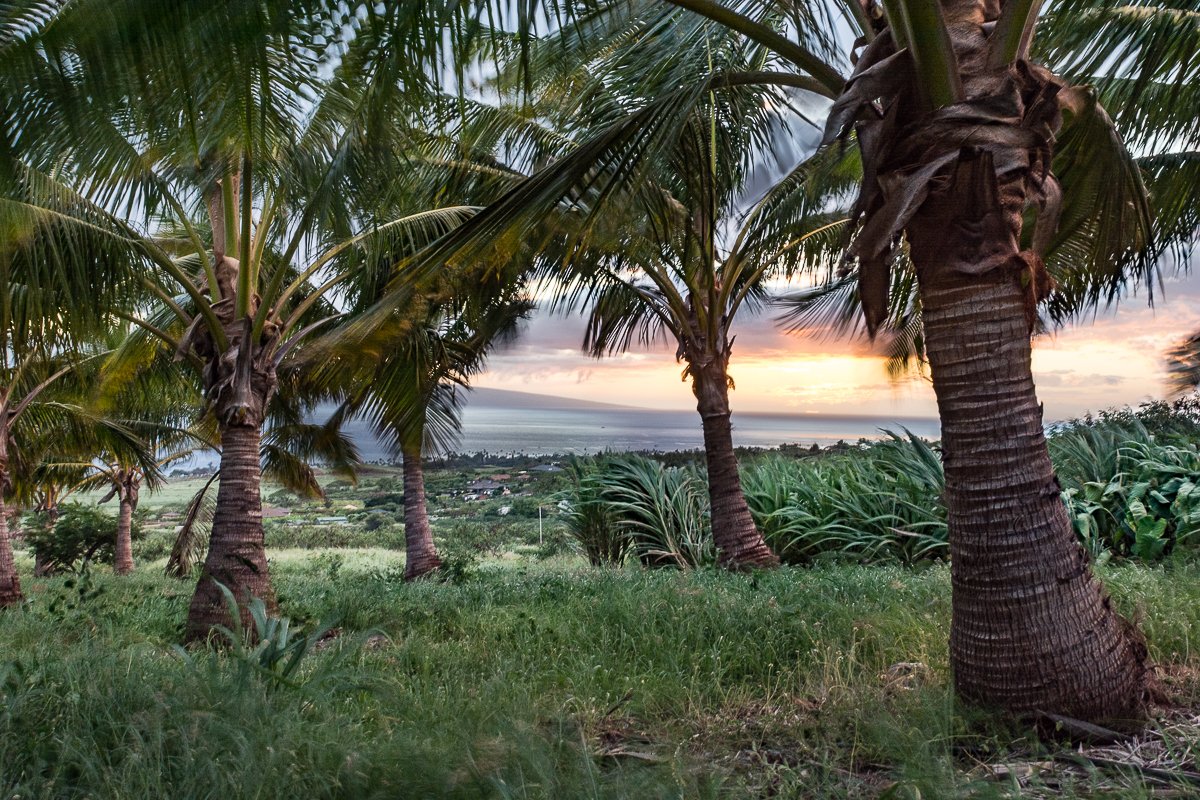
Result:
738,542
10,582
123,556
236,554
420,554
1032,629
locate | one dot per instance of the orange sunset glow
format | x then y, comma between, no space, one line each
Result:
1117,359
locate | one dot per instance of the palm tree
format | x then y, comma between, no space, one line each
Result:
39,416
955,129
411,390
292,442
222,172
662,247
665,274
964,146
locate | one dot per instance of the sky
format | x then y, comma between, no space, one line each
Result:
1117,359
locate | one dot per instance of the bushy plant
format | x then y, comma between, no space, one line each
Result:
1147,507
663,511
377,520
154,544
590,519
80,533
881,502
482,539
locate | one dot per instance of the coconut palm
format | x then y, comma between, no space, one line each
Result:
221,171
673,247
40,416
293,441
956,130
412,391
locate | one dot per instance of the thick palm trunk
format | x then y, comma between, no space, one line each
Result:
10,582
738,542
420,554
236,555
1032,629
123,554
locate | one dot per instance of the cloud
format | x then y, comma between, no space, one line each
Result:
1114,358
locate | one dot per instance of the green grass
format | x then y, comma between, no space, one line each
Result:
528,681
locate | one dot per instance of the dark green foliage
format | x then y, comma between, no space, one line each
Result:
377,520
880,502
81,533
153,544
478,539
591,521
392,500
633,505
1132,481
1130,477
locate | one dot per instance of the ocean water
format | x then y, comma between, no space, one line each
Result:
545,431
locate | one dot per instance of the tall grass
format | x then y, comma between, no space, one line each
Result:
633,505
591,520
527,683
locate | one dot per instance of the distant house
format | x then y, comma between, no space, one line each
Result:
333,521
547,468
485,486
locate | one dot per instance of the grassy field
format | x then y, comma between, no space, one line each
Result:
548,680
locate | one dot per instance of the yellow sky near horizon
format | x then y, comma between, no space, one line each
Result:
1116,360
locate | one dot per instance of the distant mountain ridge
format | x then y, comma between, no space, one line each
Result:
506,398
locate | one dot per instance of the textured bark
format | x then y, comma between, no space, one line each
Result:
236,555
420,554
1032,629
239,381
10,582
123,554
738,541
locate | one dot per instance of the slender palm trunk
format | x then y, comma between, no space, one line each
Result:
420,554
10,582
123,555
1032,629
738,541
236,554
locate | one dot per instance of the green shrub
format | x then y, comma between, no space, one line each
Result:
663,511
154,544
591,520
291,535
81,533
878,503
478,538
377,520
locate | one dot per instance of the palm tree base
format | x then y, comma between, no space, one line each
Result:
10,593
420,568
757,557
